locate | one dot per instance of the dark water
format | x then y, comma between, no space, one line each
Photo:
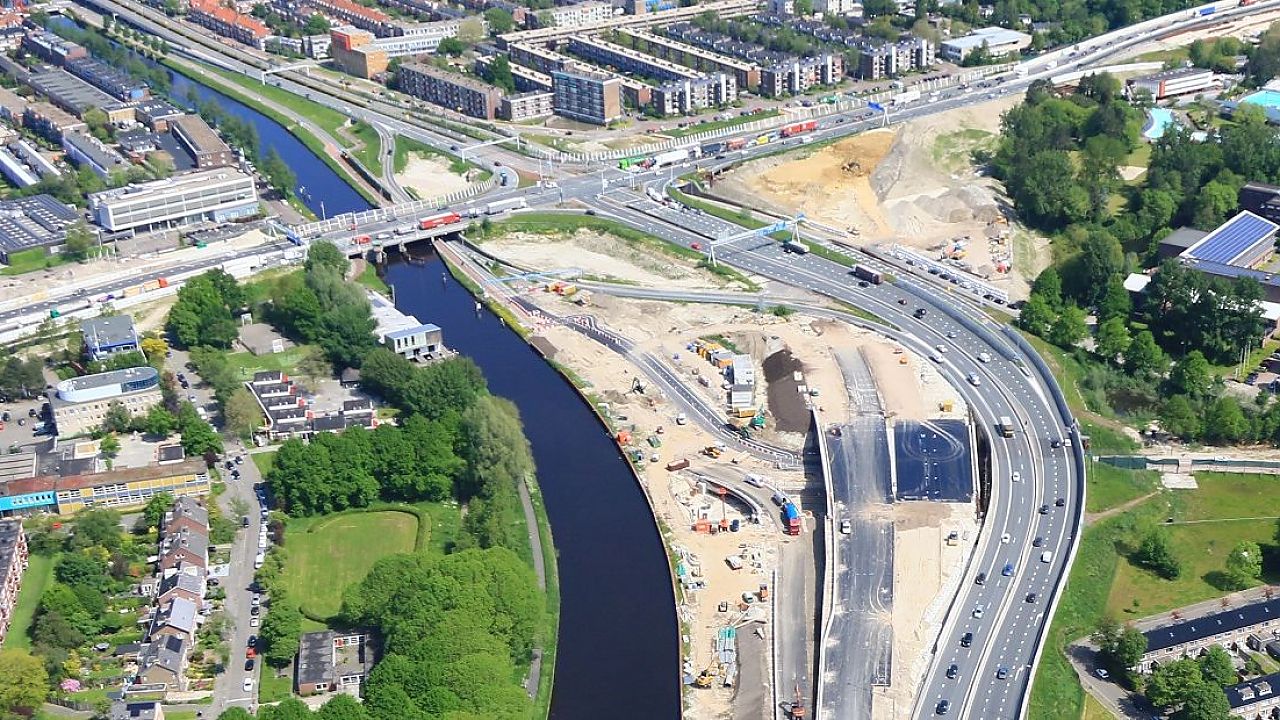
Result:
618,652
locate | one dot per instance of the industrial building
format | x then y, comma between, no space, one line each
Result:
467,95
51,48
116,83
88,151
16,171
587,96
109,335
998,41
197,138
13,564
77,96
1170,83
34,222
216,195
226,22
80,403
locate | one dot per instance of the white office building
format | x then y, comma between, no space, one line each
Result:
217,195
999,42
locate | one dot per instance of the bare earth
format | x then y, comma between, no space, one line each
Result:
430,176
914,185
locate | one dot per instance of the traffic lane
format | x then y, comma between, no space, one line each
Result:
229,687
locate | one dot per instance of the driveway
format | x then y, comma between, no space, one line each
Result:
228,688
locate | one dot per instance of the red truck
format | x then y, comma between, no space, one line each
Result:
799,128
435,221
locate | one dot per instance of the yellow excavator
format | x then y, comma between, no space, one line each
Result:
708,675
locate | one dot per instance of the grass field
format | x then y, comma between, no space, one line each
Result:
1093,710
264,461
271,688
1228,501
408,146
248,363
1103,581
327,554
26,261
370,152
369,278
1110,486
39,574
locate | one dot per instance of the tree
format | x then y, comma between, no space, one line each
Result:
1037,315
204,311
1217,667
1173,683
23,683
159,422
76,569
96,527
499,74
197,437
156,349
1144,357
499,19
1069,327
1101,259
342,707
317,24
1192,375
1179,418
278,173
1115,302
1113,338
80,240
117,418
241,415
1156,554
1225,421
280,632
109,445
235,713
1205,702
1129,648
154,512
804,8
1048,285
451,46
20,378
1244,565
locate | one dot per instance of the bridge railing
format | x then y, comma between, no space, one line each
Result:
347,221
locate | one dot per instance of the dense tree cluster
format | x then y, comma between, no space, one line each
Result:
456,629
1071,20
1194,685
434,392
1156,554
205,311
357,467
20,378
320,306
1121,648
339,707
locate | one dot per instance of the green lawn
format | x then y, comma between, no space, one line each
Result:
264,461
1093,710
271,688
369,278
720,124
39,574
26,261
370,151
1203,547
326,118
180,715
1110,486
327,554
248,363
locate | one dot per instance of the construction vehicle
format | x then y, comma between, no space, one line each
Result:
797,710
712,451
708,675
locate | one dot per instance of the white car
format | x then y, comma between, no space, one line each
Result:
978,612
846,526
1004,539
248,684
941,348
253,621
984,357
1017,476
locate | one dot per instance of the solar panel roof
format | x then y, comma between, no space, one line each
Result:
1237,237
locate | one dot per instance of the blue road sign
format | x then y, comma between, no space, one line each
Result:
876,106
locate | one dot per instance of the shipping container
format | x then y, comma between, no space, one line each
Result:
799,128
501,206
736,143
631,162
670,157
862,272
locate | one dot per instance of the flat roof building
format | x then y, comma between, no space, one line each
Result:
1179,81
463,94
217,195
998,41
75,95
107,78
1245,240
80,404
527,106
1228,629
1261,199
88,151
38,221
107,335
587,96
89,485
48,46
420,342
206,148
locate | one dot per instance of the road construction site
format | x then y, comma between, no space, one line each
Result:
739,572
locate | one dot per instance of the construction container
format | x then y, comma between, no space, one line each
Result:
680,464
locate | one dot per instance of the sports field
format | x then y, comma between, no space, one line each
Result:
329,553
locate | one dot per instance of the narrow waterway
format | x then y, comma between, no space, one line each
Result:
618,650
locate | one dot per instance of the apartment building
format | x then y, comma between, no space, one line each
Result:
361,53
463,94
746,73
13,564
798,75
51,48
685,97
226,22
206,148
577,14
603,52
87,151
1255,699
217,195
365,18
879,60
587,96
527,106
80,403
527,80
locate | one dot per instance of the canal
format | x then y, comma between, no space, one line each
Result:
618,654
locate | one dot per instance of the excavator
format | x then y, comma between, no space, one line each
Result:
708,676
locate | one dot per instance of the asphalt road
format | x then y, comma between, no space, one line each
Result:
858,643
228,688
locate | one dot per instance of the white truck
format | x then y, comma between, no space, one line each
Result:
501,206
909,96
672,157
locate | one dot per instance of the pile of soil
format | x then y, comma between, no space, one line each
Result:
786,404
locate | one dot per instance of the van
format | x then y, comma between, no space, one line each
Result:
1046,556
755,480
257,561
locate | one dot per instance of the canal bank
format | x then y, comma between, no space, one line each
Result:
618,651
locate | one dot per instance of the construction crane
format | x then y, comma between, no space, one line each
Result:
724,507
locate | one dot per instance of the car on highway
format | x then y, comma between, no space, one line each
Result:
1055,443
1002,673
940,348
953,671
966,639
943,707
978,612
846,527
984,357
1008,570
1044,510
981,579
974,380
1016,477
1060,502
1005,538
1032,597
1037,542
1046,556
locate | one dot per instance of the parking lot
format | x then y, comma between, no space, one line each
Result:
17,423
